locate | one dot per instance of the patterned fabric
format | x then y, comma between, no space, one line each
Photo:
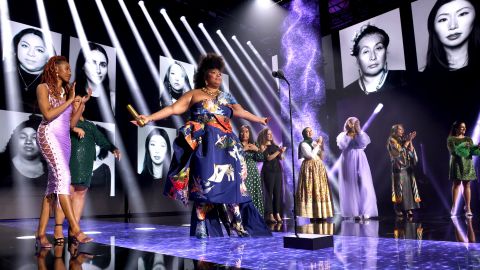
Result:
405,193
313,193
53,137
253,182
461,162
83,152
208,163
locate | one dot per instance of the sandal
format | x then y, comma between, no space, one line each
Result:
38,241
58,241
84,240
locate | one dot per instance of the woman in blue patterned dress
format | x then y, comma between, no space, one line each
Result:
208,165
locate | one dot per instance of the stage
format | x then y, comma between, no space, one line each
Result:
421,243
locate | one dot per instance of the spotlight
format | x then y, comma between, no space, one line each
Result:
234,37
163,11
249,43
140,3
200,25
218,31
378,108
182,18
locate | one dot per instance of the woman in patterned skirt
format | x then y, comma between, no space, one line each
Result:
208,165
313,198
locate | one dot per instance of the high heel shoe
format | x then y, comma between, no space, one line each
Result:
60,240
278,218
84,240
238,227
39,244
270,219
468,213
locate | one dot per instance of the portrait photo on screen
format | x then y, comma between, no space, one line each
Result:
97,72
27,51
447,34
103,175
24,170
371,52
176,78
154,151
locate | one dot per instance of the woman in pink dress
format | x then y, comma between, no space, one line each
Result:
55,97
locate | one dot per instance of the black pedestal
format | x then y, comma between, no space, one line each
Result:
308,241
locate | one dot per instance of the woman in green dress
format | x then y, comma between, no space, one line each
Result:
84,139
462,170
252,156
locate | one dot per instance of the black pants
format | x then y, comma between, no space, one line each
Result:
273,191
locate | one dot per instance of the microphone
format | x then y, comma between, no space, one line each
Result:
278,74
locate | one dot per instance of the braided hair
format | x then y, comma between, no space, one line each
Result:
49,76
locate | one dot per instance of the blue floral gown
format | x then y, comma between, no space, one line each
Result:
208,166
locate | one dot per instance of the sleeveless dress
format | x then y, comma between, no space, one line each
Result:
53,137
208,165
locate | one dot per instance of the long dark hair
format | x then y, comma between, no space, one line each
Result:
80,74
147,160
455,127
436,56
250,136
208,61
166,81
109,136
26,31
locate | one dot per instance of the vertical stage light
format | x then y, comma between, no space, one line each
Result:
179,39
258,91
126,171
155,30
154,71
192,35
12,96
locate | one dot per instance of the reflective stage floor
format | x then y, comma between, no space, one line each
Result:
159,243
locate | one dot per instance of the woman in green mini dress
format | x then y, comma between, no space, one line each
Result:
252,156
462,169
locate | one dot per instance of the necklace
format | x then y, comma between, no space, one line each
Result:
23,80
379,85
212,93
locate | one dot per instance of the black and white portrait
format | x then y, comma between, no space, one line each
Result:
176,78
447,34
96,71
24,59
370,50
103,174
155,151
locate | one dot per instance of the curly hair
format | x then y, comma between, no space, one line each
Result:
208,61
49,76
262,137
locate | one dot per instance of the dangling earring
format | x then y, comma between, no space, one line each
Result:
206,83
57,74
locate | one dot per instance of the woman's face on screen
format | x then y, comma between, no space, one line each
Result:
32,53
372,55
27,143
157,147
97,69
454,22
176,77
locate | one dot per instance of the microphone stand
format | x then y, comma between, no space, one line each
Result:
293,155
310,242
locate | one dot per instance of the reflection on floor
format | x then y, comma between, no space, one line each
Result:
441,243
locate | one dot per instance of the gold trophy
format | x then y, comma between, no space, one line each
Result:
134,113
